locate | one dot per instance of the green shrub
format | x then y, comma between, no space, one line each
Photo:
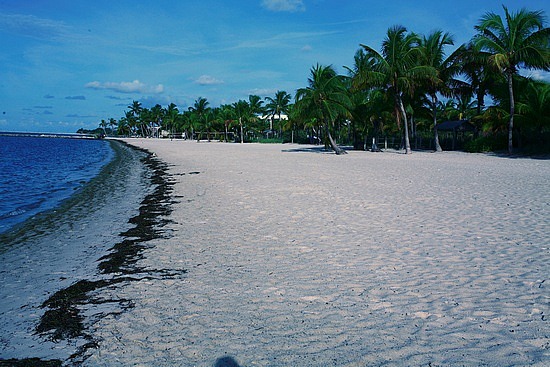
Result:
489,143
268,141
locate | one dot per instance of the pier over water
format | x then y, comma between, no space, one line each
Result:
50,135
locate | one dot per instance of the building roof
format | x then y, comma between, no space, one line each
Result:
460,125
267,117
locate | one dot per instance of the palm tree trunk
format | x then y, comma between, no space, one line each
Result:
333,144
512,111
405,124
280,126
436,135
480,97
241,125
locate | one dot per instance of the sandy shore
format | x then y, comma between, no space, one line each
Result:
297,257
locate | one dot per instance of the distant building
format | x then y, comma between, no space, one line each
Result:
456,131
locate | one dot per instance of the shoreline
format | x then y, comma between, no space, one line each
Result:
61,170
75,206
59,269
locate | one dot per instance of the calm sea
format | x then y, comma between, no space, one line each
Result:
37,174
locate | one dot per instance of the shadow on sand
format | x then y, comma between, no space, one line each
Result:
320,149
226,362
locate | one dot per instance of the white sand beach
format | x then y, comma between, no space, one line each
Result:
299,257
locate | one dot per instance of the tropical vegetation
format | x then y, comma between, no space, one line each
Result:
398,94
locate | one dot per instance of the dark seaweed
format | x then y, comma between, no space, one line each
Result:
29,362
62,319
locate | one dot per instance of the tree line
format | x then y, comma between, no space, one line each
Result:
405,89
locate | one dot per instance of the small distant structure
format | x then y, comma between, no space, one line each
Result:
458,129
270,132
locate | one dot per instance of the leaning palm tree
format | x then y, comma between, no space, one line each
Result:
433,55
325,99
395,69
521,40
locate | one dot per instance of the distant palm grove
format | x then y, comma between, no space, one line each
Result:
398,95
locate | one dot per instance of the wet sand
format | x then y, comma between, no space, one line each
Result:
59,250
298,257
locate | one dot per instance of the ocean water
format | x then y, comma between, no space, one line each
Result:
37,173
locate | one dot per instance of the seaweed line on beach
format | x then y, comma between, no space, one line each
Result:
63,318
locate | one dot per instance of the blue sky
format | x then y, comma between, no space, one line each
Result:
67,64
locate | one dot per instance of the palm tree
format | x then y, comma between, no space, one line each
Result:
199,115
277,106
135,108
242,112
170,117
156,117
325,99
256,109
533,108
520,40
131,122
368,103
123,127
480,78
226,115
112,123
255,102
534,105
103,125
433,55
136,113
396,69
465,106
188,123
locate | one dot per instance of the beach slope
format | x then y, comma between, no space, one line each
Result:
298,257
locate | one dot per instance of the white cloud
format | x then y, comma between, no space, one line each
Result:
208,80
262,92
127,87
32,26
537,74
307,48
284,5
